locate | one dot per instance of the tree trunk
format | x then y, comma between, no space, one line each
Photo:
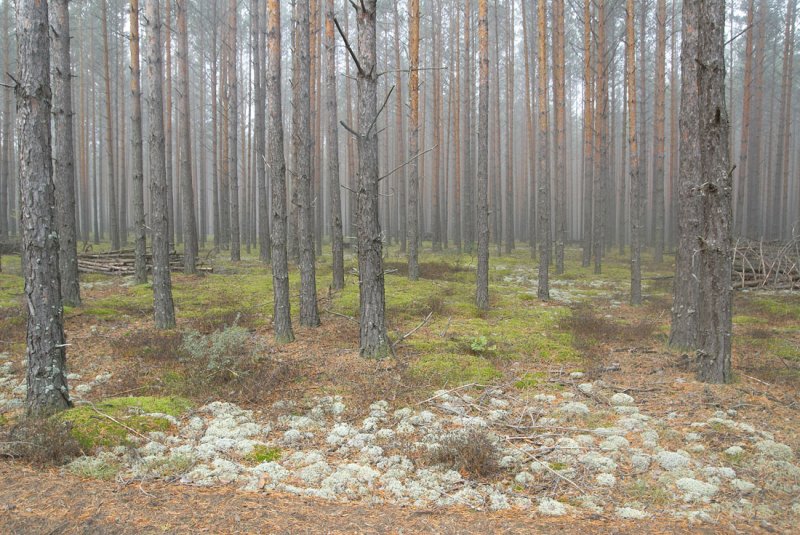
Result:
113,214
744,136
162,283
711,118
633,155
469,177
187,191
233,130
302,152
140,236
64,154
456,135
332,145
510,199
436,210
601,141
559,95
6,185
482,290
258,39
171,215
374,341
46,351
282,320
529,120
543,178
780,192
413,144
659,139
215,163
588,129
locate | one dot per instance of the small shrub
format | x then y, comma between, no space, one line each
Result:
263,454
220,350
149,344
480,345
41,441
470,452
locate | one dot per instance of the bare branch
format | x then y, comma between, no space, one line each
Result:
347,45
407,162
375,120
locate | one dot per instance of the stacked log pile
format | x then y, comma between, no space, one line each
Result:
767,266
122,263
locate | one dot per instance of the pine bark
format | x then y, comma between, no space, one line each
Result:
659,139
744,136
374,341
633,157
510,199
258,39
113,213
543,178
715,303
233,130
413,143
588,129
302,154
164,310
482,290
780,193
140,235
282,320
64,153
187,189
332,145
46,350
559,95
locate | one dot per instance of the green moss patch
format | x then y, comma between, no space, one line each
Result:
451,369
263,454
92,429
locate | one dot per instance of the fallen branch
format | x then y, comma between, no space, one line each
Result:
412,331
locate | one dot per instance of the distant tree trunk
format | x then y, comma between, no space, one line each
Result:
162,284
559,96
531,141
215,163
436,209
6,185
744,136
754,227
510,199
633,155
187,191
659,139
413,144
332,145
469,177
456,136
171,208
714,306
282,320
588,129
46,353
259,44
482,291
601,170
780,193
673,130
113,214
302,153
64,154
140,235
543,178
233,130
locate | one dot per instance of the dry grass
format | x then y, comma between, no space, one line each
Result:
471,453
40,441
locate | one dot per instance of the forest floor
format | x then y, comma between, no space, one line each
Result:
561,416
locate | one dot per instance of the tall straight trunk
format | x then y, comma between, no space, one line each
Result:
317,193
202,180
215,163
233,130
659,139
753,226
332,145
302,146
559,95
456,94
258,39
601,171
187,191
140,236
436,209
623,189
496,163
543,178
95,165
482,290
510,199
64,154
715,303
282,320
164,310
633,155
780,192
351,141
744,136
374,341
401,139
45,350
413,142
113,213
469,177
642,127
531,141
588,128
673,130
171,208
6,185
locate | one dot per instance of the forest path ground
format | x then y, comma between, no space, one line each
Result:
52,502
